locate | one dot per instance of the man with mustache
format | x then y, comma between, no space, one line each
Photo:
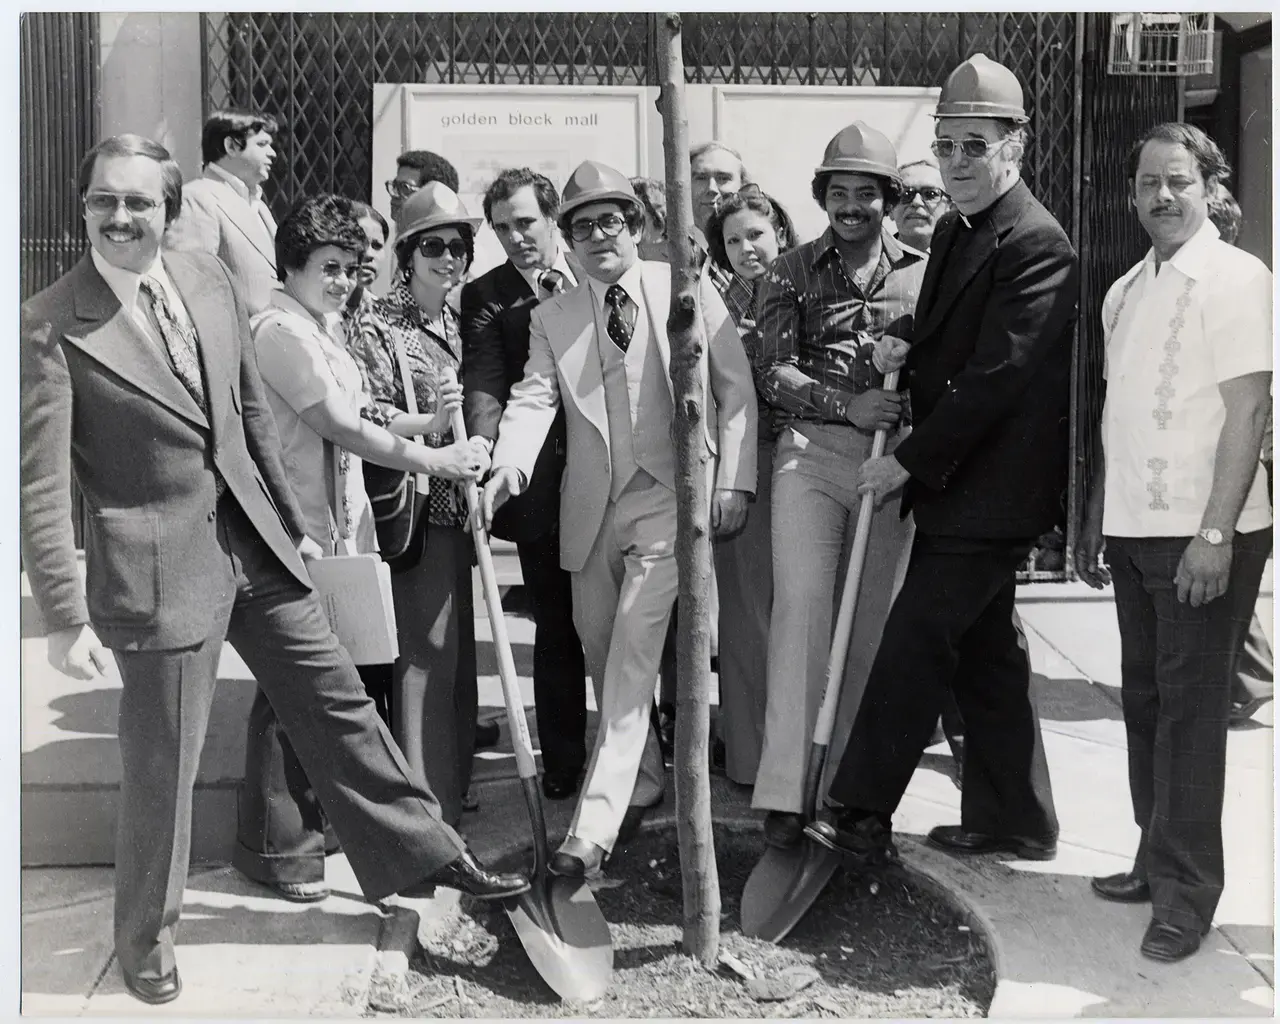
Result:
223,213
821,309
520,207
984,471
139,379
1179,504
601,353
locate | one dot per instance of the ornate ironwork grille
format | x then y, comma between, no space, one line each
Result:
58,55
316,71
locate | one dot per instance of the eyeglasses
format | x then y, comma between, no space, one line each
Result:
610,225
930,195
103,204
398,188
433,248
333,270
974,149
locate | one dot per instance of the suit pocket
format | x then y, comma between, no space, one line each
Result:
122,570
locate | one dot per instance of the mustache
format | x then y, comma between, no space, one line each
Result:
1165,209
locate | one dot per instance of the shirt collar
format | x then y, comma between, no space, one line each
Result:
332,322
1192,259
250,196
630,281
891,249
124,283
531,274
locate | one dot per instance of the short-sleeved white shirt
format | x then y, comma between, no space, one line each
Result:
1171,339
303,363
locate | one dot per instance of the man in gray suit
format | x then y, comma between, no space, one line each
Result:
138,377
223,213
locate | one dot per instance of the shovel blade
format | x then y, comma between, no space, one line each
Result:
782,887
566,937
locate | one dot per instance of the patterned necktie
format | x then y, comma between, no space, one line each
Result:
622,316
551,282
179,340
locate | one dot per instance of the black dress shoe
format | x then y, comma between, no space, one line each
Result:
576,858
1169,943
487,734
154,990
1125,887
783,829
560,785
467,875
865,838
956,839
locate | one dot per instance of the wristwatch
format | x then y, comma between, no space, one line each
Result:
1212,535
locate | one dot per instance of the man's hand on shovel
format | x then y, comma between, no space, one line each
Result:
881,477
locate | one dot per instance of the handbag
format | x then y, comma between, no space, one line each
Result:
355,589
399,498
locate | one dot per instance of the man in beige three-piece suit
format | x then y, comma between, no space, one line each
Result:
223,213
604,346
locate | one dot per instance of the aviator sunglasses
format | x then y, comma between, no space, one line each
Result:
974,149
104,204
433,248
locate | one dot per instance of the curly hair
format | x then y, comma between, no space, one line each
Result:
313,223
430,167
1208,156
891,189
511,181
758,202
652,194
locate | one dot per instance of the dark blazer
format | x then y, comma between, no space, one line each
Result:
989,373
100,400
495,344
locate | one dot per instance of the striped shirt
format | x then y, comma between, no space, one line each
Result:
817,328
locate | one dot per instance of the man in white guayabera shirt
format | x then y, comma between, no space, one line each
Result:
1180,508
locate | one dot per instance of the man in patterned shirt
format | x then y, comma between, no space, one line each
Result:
822,306
1186,520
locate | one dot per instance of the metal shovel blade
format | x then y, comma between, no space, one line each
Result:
565,936
785,884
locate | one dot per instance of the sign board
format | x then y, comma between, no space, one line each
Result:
781,132
484,129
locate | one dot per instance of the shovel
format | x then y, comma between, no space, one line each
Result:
557,920
784,884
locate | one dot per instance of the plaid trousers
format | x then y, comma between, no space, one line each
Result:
1176,667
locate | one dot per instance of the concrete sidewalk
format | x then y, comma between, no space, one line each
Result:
1060,952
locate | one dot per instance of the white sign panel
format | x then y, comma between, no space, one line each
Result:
781,132
484,129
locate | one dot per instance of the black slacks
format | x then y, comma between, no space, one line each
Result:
559,666
1176,666
385,815
953,627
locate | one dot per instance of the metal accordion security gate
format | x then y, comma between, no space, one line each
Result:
316,72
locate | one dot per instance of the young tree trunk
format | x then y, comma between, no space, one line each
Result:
701,882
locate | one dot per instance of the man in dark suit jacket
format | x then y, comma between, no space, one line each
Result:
984,468
139,378
521,206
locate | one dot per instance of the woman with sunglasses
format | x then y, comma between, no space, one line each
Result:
744,235
434,698
317,396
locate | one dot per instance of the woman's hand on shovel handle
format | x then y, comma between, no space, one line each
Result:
881,477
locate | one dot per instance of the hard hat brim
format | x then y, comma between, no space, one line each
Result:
435,220
861,167
598,195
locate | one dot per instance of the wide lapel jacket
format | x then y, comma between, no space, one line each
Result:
241,214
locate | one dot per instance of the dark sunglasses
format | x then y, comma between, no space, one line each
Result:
397,188
610,225
930,195
433,248
974,149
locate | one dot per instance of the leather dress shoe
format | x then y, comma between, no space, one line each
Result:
299,892
632,819
863,837
467,875
487,734
783,829
560,785
576,858
1169,943
1125,887
957,839
154,990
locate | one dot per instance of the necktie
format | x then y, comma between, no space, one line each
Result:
622,316
179,340
551,282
